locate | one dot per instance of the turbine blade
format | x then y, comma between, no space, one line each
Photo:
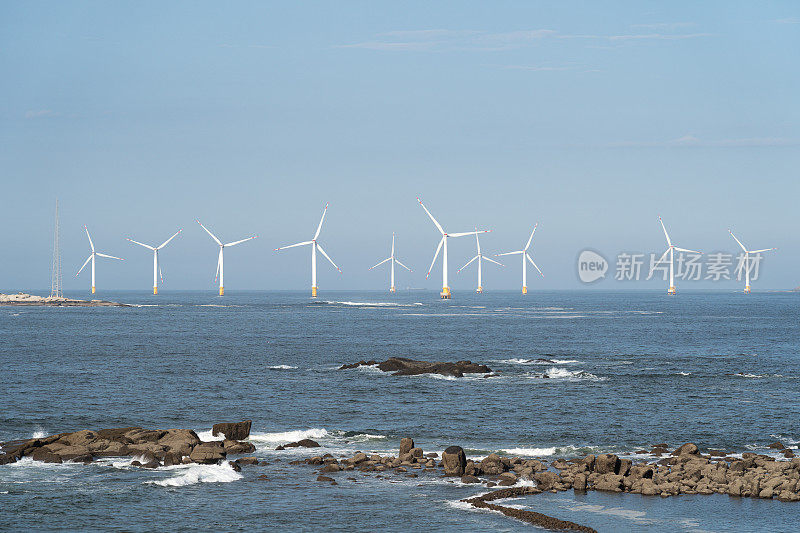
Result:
690,251
531,237
402,265
84,265
161,273
141,244
511,253
477,240
212,235
234,243
764,250
438,248
438,226
663,257
669,242
319,228
90,238
534,264
493,261
167,241
737,240
219,260
379,264
109,256
328,257
468,263
468,233
294,245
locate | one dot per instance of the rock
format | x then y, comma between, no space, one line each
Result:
325,478
356,365
776,446
401,366
233,430
789,454
579,482
687,449
469,479
406,444
454,461
609,483
606,464
559,464
262,477
235,447
331,467
492,465
180,441
247,461
46,456
416,452
235,466
624,466
358,458
171,459
507,479
303,443
546,480
207,453
589,461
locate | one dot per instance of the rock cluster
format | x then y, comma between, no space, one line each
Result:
401,366
153,448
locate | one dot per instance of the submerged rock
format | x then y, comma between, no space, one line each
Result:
401,366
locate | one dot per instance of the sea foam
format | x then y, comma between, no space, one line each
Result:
193,474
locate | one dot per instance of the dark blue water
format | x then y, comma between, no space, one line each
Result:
623,371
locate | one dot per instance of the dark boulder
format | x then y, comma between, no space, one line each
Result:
401,366
233,430
454,461
303,443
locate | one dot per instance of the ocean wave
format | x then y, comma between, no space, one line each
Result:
282,367
564,374
193,474
538,361
39,434
552,451
356,436
366,304
289,436
755,376
684,373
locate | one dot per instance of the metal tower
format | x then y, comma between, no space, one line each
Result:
55,272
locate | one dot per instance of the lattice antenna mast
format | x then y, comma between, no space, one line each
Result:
55,272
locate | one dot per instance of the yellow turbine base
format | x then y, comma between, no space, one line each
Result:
524,290
671,291
392,289
445,294
222,291
93,290
479,290
747,289
313,292
155,290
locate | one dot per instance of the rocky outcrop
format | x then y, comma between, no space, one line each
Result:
232,430
401,366
454,461
302,443
149,447
23,299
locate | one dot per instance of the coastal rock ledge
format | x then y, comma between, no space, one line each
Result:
151,447
401,366
23,299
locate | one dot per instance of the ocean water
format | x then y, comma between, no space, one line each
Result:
576,372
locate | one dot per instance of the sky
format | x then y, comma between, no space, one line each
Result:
590,119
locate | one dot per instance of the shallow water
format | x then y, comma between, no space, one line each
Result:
620,372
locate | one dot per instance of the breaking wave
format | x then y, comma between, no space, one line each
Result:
566,375
289,436
193,474
282,367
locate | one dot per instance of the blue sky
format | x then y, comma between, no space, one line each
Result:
591,120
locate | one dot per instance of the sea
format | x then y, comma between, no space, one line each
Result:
574,372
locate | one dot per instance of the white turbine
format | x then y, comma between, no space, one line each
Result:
747,260
393,260
445,294
91,258
314,247
156,270
220,261
480,257
525,255
671,251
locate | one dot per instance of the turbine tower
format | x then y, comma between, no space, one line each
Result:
480,257
393,260
445,294
55,272
314,247
220,263
92,258
156,270
671,251
747,261
525,256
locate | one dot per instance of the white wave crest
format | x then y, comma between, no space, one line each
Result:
39,434
540,361
564,374
289,436
193,474
282,367
370,304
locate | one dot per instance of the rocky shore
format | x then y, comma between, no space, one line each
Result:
151,447
23,299
401,366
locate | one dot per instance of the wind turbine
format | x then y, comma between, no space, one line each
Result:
92,256
747,261
480,257
671,251
445,294
220,262
393,260
314,247
156,270
525,255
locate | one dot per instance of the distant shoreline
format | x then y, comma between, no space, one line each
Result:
28,300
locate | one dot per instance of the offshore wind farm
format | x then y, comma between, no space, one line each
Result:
570,360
